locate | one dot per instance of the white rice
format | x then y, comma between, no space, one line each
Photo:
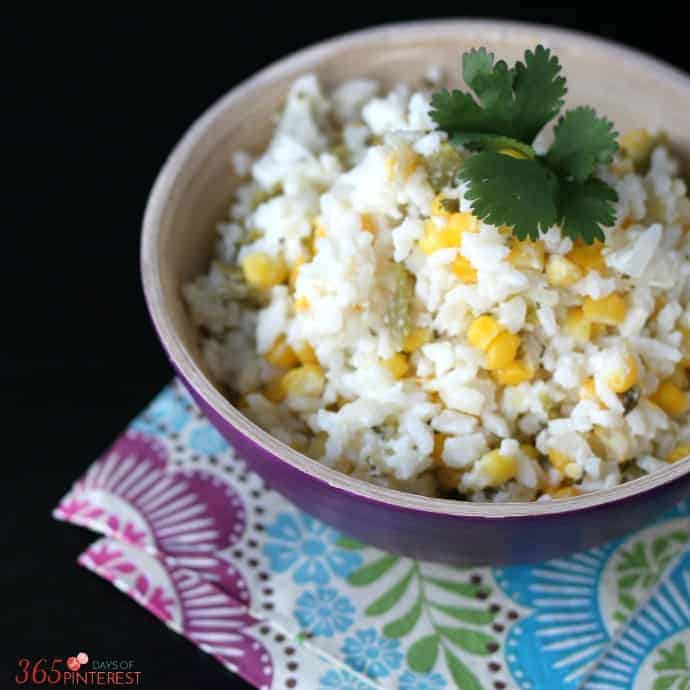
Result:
357,158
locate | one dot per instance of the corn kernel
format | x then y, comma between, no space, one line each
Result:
562,492
623,379
483,331
415,339
636,144
502,351
561,272
670,399
463,269
498,468
514,374
588,257
529,451
281,354
577,325
319,231
559,460
305,353
368,223
302,304
436,237
439,440
609,310
274,391
527,255
678,453
397,365
573,471
598,331
264,271
304,381
462,222
437,207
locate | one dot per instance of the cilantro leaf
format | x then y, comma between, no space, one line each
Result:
539,93
456,111
585,206
514,103
582,141
511,191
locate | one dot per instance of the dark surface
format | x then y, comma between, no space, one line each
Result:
92,106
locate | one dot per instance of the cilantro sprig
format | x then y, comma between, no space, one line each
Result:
508,183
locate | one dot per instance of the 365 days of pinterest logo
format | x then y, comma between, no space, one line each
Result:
108,672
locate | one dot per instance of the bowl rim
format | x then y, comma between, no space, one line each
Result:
181,359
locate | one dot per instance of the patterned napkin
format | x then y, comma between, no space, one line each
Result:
288,602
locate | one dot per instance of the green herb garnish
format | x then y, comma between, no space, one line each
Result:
508,183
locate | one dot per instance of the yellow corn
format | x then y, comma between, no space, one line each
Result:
302,304
562,492
598,330
573,471
527,255
498,468
636,144
368,223
670,399
463,269
305,353
404,162
625,378
588,257
502,351
577,325
559,460
436,237
439,440
397,365
281,354
415,339
609,310
264,271
678,453
514,374
304,381
462,222
275,392
562,272
483,330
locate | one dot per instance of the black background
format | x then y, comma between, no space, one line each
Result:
91,105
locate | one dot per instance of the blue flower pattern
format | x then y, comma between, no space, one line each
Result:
342,680
324,612
371,654
308,549
206,440
165,415
421,681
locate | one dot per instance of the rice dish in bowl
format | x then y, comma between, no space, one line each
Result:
359,311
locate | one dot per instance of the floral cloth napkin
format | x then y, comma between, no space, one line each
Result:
288,602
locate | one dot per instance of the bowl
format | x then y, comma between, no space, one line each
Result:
192,192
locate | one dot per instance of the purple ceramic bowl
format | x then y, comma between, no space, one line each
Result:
191,194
